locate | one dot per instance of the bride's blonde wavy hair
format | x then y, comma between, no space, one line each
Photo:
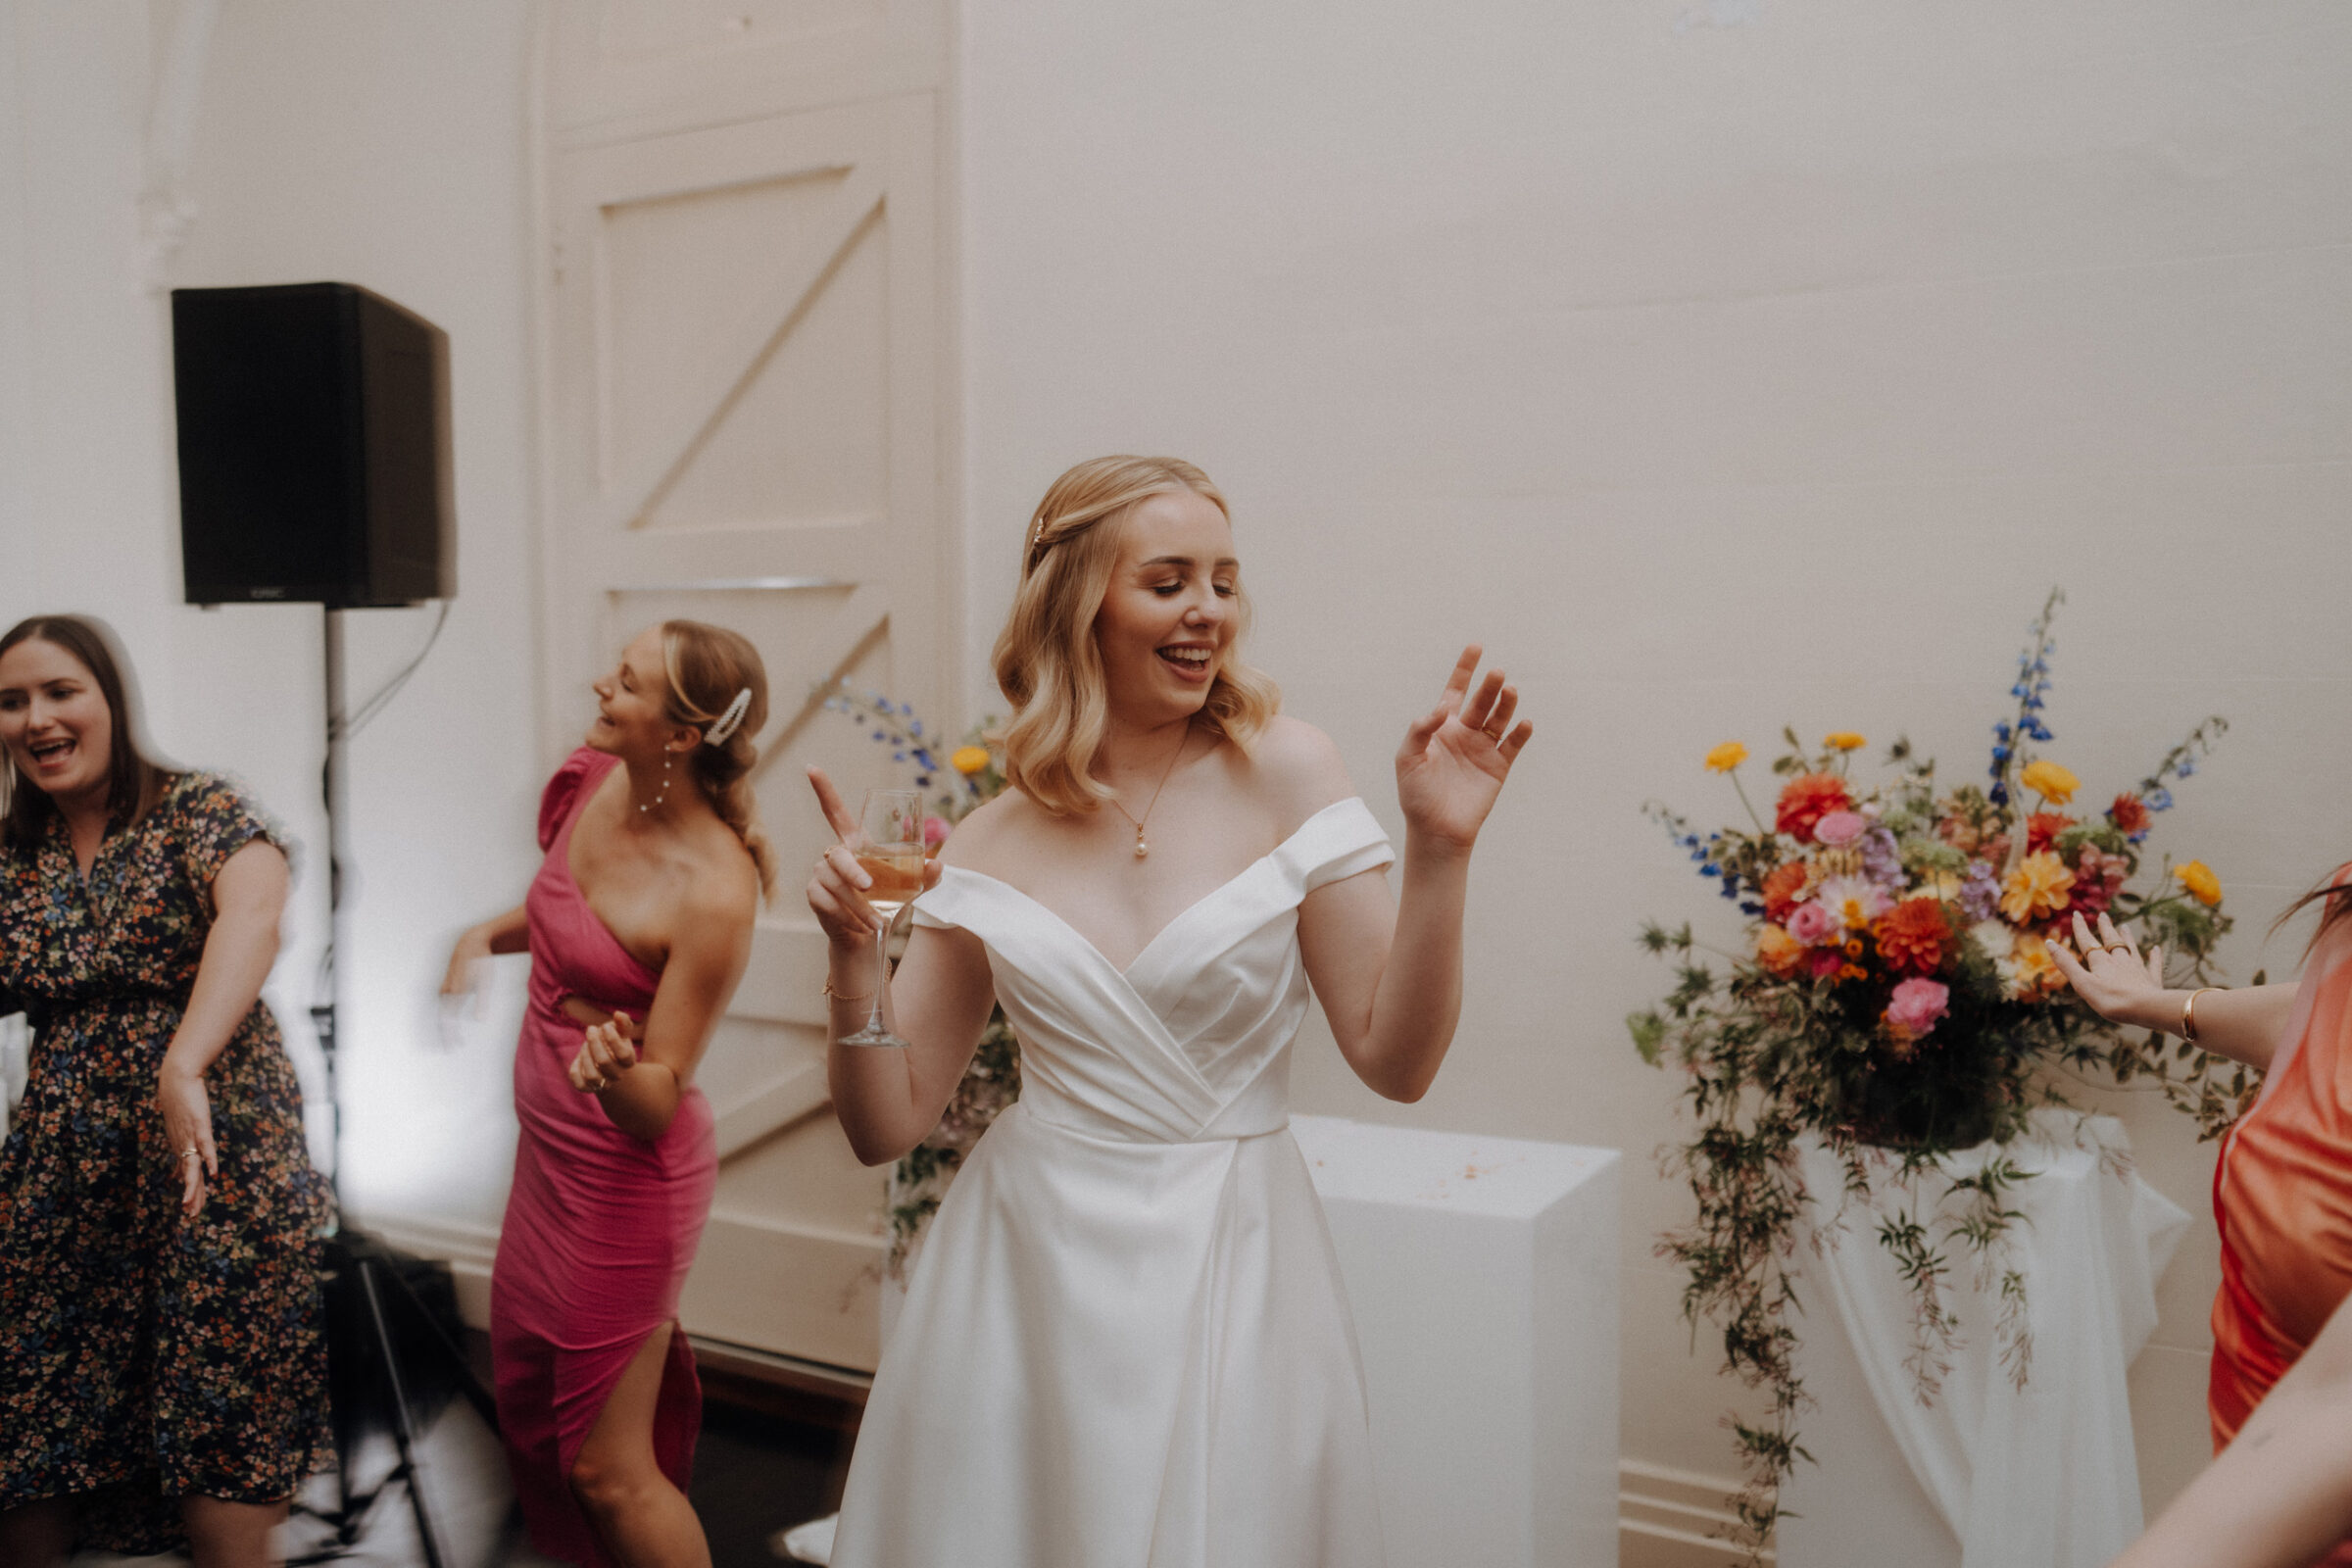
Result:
1047,662
707,666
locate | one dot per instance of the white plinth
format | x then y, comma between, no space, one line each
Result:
1483,1277
1988,1475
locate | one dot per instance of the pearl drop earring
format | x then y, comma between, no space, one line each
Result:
666,759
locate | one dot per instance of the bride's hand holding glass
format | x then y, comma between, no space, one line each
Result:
1450,768
861,883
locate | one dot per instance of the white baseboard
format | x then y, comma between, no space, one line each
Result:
1672,1518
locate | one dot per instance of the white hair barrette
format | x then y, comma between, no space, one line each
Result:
724,725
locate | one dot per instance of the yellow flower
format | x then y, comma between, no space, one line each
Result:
969,760
2051,782
1778,951
1730,755
2032,969
1843,740
2037,888
2198,878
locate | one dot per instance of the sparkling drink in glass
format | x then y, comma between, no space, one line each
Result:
889,847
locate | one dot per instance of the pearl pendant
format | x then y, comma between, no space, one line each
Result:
1140,848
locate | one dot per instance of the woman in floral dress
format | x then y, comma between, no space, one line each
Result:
163,1371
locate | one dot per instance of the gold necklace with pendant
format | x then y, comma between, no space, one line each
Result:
1143,849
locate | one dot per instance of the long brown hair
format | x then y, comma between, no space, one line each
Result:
1046,662
707,666
2338,900
134,784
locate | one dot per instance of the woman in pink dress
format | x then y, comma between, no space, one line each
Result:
639,924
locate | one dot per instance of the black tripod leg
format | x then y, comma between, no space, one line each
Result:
403,1435
483,1401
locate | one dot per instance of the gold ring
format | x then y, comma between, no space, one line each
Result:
2115,947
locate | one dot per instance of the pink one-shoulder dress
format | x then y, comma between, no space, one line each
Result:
601,1227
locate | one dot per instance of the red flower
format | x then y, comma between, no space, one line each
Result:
1808,799
1781,889
2130,814
1914,935
2043,828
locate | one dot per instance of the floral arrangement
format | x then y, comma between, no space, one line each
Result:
1895,999
971,776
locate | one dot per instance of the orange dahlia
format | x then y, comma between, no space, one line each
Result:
1914,935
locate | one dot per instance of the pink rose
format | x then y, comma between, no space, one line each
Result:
1916,1006
1841,828
935,831
1814,925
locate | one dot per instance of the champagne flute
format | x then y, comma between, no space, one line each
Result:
889,848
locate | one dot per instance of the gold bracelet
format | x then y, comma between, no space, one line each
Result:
2188,1014
838,996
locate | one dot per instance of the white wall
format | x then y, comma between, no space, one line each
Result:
381,145
1719,362
386,145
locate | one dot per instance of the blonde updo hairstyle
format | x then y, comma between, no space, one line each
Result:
707,666
1047,663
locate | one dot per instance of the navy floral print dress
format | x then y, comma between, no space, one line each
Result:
143,1356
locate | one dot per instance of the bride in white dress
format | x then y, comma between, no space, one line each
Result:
1125,1342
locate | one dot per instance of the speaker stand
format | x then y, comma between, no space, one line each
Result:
356,1252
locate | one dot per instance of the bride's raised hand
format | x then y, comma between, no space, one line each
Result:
837,883
1457,755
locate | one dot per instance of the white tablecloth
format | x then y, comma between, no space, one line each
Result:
2043,1476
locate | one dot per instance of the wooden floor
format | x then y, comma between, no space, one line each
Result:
771,1455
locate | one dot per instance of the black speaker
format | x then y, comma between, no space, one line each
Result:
313,447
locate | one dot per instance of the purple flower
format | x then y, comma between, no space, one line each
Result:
1881,862
1980,892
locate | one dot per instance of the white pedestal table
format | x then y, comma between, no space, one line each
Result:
1988,1474
1482,1273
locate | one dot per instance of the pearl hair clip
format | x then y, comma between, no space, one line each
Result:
724,725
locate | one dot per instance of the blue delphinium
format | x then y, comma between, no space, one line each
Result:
2031,689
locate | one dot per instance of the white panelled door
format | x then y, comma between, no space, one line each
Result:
742,366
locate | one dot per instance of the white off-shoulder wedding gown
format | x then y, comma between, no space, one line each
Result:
1126,1342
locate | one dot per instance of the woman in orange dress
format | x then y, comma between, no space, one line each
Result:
2282,1187
2281,1493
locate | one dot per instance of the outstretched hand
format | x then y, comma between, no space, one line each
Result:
1455,757
2120,984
